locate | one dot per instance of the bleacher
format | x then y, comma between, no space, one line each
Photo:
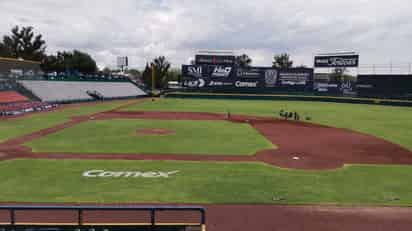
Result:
71,91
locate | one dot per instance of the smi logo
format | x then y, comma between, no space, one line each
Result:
195,71
221,71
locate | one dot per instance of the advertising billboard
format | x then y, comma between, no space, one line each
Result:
336,61
228,77
295,77
215,60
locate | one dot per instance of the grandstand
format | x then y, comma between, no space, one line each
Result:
70,91
17,68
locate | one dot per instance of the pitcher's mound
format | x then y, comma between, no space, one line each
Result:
156,131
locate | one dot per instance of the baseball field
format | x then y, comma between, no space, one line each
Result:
191,151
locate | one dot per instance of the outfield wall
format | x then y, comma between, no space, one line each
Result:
301,81
387,86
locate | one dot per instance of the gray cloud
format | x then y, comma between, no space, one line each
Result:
143,29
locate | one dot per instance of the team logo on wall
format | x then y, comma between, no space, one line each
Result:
271,77
346,86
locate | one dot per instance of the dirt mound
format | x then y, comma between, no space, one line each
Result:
155,131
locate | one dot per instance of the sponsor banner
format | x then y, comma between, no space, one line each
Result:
246,84
218,76
214,83
249,73
192,71
197,83
207,71
295,77
203,83
337,61
326,87
220,71
215,60
369,86
127,174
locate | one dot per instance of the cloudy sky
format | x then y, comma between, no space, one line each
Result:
381,31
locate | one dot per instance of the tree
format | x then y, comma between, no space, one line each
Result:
134,73
302,66
147,76
107,71
67,61
282,61
174,75
161,67
23,43
341,74
163,74
243,60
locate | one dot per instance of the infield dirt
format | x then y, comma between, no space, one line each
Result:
301,145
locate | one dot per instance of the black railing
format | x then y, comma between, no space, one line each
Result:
11,222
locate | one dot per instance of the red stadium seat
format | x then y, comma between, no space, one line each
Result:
12,97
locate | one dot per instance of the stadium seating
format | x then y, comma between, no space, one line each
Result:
11,97
66,91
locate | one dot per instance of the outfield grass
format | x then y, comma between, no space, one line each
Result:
391,123
201,182
37,121
120,136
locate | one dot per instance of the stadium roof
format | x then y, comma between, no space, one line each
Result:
18,60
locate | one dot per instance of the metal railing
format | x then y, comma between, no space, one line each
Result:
12,222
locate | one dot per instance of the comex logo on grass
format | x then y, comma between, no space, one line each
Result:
127,174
